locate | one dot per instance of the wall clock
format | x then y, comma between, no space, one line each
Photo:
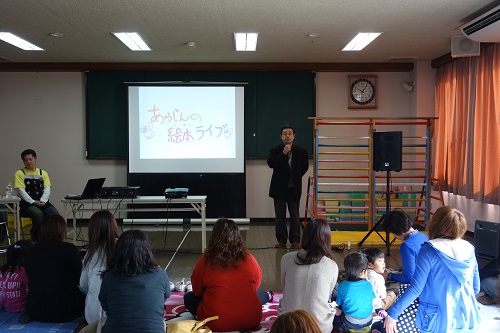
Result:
362,92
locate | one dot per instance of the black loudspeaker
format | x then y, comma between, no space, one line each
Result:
387,151
487,239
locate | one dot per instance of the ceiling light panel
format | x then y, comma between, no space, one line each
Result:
361,40
246,41
132,40
18,42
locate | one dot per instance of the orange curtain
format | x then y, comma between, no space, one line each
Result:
467,154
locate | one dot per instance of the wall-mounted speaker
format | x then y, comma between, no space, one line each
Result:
464,47
387,151
487,239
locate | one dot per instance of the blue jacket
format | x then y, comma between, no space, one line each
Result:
409,252
446,287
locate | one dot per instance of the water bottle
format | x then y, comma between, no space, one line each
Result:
8,191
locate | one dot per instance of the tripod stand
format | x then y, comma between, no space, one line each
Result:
387,207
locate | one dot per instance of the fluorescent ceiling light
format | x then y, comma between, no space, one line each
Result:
132,40
361,40
246,41
18,42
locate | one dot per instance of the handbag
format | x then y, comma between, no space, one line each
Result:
188,326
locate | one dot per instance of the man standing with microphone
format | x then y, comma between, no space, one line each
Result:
289,163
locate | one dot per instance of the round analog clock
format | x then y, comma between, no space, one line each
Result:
362,92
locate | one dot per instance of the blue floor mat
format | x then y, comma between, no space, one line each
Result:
9,323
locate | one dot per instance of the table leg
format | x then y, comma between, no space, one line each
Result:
203,227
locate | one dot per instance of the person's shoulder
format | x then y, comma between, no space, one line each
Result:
278,147
159,271
297,147
330,262
68,246
250,256
371,273
290,256
288,260
301,151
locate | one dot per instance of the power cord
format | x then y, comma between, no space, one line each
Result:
340,248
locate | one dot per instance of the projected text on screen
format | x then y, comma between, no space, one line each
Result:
174,125
177,124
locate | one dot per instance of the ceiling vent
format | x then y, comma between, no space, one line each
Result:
485,28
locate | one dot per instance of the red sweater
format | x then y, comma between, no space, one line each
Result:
229,294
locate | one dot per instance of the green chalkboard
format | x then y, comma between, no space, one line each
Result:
272,99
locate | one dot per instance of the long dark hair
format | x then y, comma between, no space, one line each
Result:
132,255
103,233
16,254
316,240
225,247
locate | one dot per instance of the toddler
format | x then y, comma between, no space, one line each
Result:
13,277
355,296
376,266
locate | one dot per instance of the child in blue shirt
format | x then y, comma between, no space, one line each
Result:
355,296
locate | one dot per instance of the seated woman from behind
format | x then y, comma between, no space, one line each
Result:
53,268
134,288
103,232
309,276
225,282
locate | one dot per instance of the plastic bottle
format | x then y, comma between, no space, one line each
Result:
8,191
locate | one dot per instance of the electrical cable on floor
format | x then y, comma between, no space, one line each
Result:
180,244
339,248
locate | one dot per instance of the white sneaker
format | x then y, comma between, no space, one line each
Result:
172,286
189,286
180,286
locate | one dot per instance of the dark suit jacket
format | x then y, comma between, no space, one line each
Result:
281,171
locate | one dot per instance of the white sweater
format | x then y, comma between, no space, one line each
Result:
309,287
378,284
90,280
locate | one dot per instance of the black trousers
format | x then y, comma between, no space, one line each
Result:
282,234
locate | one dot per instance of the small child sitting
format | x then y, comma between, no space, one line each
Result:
13,277
355,296
376,266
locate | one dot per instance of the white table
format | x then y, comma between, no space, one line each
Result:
12,205
197,203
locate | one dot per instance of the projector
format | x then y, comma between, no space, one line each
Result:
178,192
125,192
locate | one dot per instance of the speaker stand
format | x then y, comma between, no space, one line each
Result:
387,207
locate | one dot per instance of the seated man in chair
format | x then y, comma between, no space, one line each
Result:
33,187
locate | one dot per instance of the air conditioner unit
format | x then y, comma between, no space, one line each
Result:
485,28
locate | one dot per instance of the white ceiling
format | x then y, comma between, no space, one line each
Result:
417,29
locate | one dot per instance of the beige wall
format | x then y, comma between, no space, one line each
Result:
46,112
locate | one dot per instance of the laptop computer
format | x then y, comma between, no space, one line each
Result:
90,191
